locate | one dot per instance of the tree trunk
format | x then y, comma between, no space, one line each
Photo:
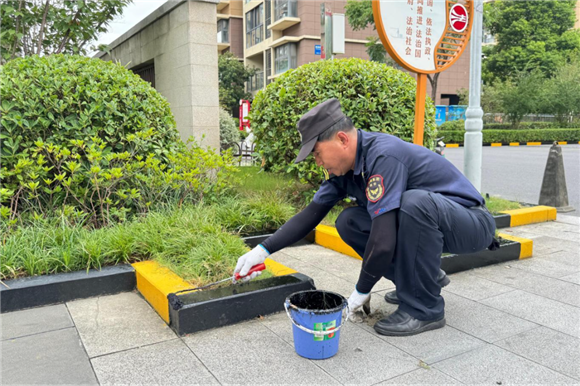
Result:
433,79
41,33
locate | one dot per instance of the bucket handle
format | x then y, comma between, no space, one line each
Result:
318,333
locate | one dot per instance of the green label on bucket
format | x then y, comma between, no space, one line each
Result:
324,327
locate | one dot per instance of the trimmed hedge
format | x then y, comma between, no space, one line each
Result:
460,125
376,97
507,136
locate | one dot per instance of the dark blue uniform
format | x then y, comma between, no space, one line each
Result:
439,210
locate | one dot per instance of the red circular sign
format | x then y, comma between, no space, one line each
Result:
458,18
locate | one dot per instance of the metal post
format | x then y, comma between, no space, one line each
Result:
473,122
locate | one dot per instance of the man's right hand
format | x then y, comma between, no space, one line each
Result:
248,260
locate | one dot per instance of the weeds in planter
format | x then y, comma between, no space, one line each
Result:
497,205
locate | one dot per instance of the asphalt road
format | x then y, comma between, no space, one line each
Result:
516,173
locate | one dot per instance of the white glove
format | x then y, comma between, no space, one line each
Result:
356,301
248,260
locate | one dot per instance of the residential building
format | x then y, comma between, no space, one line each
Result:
281,34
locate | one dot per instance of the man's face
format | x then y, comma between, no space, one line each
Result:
333,156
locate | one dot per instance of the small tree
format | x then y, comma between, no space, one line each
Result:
563,92
232,78
530,35
523,95
44,27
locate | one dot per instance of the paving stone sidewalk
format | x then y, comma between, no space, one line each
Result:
513,323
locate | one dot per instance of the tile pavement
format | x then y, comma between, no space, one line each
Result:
513,323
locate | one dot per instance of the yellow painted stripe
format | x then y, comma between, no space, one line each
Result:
496,144
278,269
452,145
563,143
514,144
527,245
328,237
155,282
534,143
531,215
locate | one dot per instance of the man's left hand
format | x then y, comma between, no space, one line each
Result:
356,301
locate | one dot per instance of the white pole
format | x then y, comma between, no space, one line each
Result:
473,122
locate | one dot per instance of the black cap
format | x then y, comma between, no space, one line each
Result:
315,122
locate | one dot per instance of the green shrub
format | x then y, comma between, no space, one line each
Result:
376,97
229,132
458,124
507,136
90,140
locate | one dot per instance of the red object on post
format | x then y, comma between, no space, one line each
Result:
244,111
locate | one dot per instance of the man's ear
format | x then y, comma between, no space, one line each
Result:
343,138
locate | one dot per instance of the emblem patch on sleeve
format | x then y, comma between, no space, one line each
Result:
375,188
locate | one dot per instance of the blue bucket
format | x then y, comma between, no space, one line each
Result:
316,321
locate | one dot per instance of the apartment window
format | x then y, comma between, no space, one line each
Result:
223,35
285,58
256,82
285,8
255,26
268,54
268,8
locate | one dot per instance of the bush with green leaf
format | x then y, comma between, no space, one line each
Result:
376,97
91,140
507,136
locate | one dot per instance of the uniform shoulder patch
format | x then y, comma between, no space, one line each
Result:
375,188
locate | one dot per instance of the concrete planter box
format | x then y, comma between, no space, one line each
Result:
203,310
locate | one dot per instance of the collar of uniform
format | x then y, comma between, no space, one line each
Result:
359,161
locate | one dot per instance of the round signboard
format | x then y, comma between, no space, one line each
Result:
424,36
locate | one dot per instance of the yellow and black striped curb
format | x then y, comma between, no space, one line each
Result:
497,144
155,283
525,216
328,237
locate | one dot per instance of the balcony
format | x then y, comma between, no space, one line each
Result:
222,4
283,23
256,82
223,40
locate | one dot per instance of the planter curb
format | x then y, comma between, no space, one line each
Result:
531,215
517,248
35,291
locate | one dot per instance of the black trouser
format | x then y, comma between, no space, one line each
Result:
428,224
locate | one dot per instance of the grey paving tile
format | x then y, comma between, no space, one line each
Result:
567,219
473,287
556,289
249,353
334,263
481,321
55,357
437,345
544,267
423,376
358,349
553,349
170,362
574,278
570,258
34,321
496,366
113,323
540,310
554,243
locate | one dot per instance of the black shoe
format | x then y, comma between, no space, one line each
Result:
400,323
442,279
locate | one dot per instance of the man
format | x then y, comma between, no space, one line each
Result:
412,205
